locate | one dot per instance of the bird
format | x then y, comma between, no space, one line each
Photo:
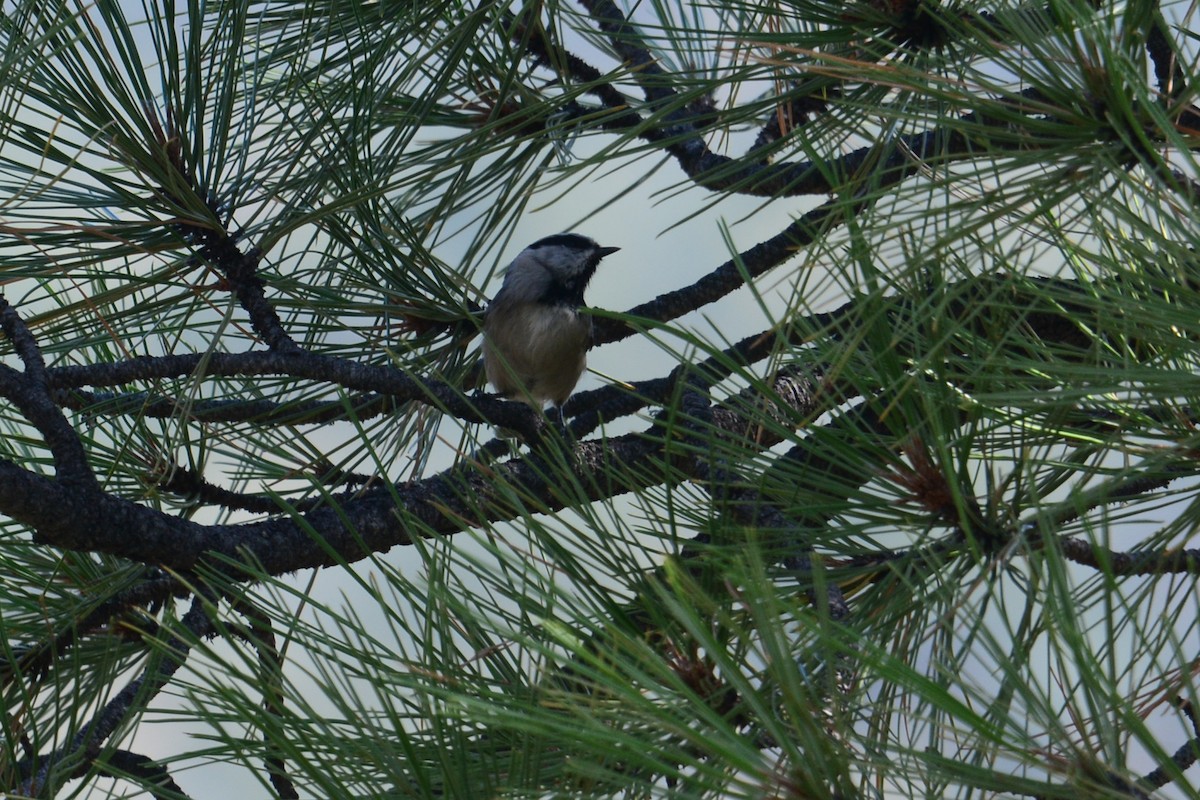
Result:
535,340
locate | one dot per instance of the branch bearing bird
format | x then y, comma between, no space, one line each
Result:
535,341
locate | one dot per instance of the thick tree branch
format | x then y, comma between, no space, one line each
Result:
263,413
375,521
1146,562
809,228
1173,82
328,370
30,393
123,763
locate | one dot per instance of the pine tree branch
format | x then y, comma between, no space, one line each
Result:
121,763
86,745
30,393
72,522
217,245
1185,756
731,493
270,670
150,591
1142,562
262,413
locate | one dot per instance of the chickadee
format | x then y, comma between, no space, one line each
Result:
535,341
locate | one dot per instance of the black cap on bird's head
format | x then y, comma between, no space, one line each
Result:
572,241
567,262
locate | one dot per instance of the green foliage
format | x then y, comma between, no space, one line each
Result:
904,512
